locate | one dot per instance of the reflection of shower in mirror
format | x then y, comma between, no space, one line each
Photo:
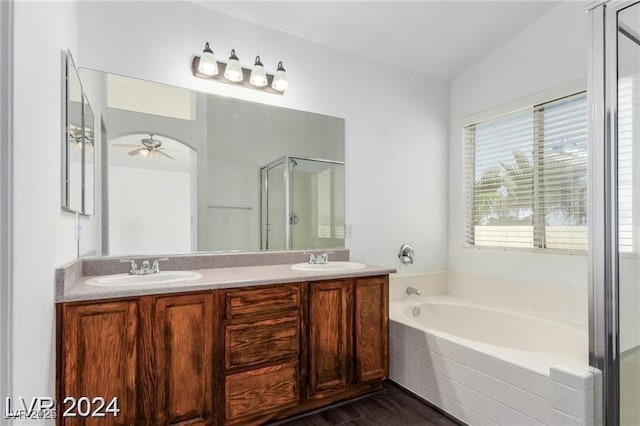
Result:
302,204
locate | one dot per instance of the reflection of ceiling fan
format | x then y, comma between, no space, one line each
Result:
150,146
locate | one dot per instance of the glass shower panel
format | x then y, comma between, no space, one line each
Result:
316,217
628,147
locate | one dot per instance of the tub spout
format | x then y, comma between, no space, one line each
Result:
411,290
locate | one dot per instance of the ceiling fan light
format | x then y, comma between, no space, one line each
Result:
233,70
208,64
258,75
280,81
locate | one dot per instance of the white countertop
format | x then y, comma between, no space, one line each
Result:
216,278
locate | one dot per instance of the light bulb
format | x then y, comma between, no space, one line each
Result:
233,70
258,75
280,82
208,65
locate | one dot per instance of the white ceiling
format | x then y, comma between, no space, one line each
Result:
437,39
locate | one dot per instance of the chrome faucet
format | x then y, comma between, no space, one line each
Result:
412,290
321,259
146,267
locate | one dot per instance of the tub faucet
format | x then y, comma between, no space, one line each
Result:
412,290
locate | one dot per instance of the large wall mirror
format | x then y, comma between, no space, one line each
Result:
183,171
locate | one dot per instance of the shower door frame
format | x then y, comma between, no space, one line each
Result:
604,296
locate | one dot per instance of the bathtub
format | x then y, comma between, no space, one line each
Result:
490,365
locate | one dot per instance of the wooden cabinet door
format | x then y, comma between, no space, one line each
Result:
371,308
184,336
99,354
330,345
254,393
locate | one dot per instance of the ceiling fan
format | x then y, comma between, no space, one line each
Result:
149,146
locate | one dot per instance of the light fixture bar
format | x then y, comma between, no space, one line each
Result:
246,73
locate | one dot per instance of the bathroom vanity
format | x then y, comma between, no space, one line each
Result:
221,351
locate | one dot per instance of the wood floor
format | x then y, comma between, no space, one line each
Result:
391,408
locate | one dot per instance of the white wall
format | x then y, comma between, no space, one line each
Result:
549,53
149,210
396,147
43,234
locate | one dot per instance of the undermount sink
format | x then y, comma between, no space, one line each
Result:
328,267
165,277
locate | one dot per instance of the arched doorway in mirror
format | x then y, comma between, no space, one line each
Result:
151,206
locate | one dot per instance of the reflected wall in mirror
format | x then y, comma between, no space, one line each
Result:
302,203
183,171
72,141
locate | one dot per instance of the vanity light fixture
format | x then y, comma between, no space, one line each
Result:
233,70
258,75
280,82
206,66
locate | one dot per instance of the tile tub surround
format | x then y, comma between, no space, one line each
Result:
549,300
226,270
429,283
480,389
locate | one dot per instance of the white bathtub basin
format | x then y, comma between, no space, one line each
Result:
328,267
164,277
522,338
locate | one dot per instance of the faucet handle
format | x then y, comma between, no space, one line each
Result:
156,264
312,257
406,254
133,264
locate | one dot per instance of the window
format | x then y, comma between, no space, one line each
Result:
627,125
526,178
329,202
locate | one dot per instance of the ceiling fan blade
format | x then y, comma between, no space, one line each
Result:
164,153
125,145
136,152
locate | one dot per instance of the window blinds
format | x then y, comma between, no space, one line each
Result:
526,177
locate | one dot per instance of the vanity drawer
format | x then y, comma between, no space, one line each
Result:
261,391
261,301
262,342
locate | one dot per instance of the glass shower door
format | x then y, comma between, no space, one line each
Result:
628,210
316,197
